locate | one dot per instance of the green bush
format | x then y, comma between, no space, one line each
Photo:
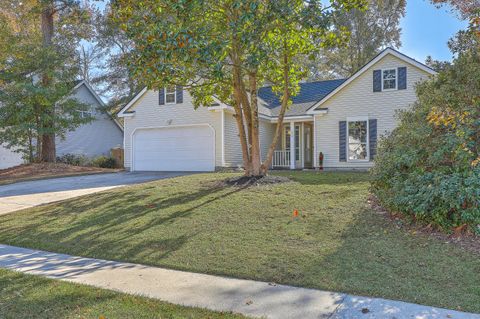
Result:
104,162
428,167
74,159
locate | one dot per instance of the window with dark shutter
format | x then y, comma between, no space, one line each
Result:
179,94
161,96
402,78
377,81
372,133
342,145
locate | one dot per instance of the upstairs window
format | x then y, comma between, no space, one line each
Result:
170,95
389,79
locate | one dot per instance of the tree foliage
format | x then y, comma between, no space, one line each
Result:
429,166
370,30
36,78
228,49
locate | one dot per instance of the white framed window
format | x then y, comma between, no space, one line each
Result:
170,95
389,79
357,146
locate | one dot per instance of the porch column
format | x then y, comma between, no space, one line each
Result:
292,145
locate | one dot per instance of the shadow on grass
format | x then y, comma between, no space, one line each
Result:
109,230
325,178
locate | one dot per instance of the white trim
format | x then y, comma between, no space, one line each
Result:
222,120
315,164
293,118
132,101
366,67
396,79
358,119
301,150
132,148
292,145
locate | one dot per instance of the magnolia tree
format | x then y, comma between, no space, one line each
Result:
227,49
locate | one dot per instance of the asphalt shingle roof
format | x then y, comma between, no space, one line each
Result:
310,93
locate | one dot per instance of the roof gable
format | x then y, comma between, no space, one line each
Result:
367,66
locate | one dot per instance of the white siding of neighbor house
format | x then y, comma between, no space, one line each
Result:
95,138
148,113
9,158
233,149
357,99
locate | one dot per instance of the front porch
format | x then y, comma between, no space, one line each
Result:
296,146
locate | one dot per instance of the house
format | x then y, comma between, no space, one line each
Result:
340,119
93,139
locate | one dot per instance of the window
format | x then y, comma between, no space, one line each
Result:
287,138
357,140
297,142
86,114
170,95
389,79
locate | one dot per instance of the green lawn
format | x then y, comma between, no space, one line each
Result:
190,223
24,296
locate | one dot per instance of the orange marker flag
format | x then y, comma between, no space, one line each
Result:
295,213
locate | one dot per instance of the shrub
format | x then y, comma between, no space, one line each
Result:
74,159
429,166
104,162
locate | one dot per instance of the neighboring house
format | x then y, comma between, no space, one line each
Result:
342,119
97,137
93,139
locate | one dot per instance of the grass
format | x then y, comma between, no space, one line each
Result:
191,223
26,296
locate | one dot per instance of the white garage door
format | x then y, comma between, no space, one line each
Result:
185,148
9,158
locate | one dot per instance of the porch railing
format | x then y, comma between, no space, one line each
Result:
281,158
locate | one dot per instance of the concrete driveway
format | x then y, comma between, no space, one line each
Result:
14,197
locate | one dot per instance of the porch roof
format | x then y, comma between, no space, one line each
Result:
310,93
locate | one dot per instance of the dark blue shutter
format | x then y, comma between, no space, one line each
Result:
377,81
402,78
372,133
161,96
342,141
179,92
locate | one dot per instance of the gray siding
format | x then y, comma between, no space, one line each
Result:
357,99
95,138
9,158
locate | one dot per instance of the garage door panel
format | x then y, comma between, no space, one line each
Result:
174,149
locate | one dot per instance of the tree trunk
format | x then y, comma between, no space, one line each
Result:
285,98
48,123
255,136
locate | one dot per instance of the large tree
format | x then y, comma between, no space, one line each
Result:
228,49
37,72
370,30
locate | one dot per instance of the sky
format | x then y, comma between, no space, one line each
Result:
427,29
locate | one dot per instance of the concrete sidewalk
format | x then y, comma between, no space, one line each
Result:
252,298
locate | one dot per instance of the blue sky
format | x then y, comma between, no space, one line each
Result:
426,30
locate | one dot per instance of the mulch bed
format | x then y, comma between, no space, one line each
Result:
459,237
246,181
